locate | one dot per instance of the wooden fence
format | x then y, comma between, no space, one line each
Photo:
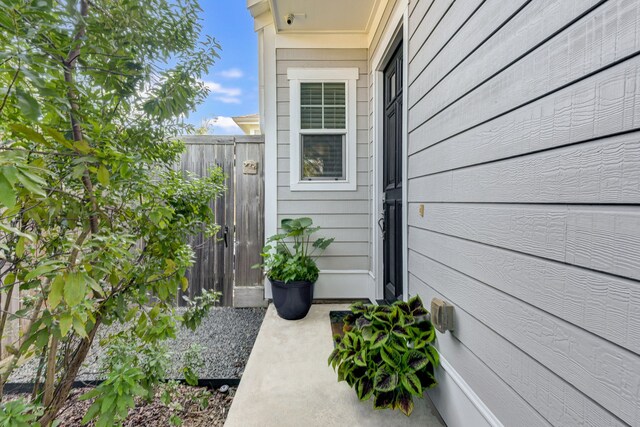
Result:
224,263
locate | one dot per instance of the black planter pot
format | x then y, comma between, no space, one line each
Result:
292,300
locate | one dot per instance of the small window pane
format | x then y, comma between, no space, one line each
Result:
311,117
311,94
334,94
334,118
322,157
392,86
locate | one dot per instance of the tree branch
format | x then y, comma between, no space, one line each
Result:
6,95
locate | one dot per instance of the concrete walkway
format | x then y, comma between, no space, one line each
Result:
287,381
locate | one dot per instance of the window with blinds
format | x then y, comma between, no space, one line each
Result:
323,109
323,157
323,106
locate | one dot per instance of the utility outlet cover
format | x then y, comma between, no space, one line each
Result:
250,167
441,315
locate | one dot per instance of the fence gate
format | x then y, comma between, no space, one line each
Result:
223,263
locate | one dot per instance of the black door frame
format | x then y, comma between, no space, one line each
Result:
391,190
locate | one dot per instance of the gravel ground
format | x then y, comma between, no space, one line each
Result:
226,336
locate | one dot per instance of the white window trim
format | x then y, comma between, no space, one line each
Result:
349,76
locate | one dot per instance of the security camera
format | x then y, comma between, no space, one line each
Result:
289,18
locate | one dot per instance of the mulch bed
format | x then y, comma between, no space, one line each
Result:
155,413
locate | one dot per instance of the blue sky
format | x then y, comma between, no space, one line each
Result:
233,80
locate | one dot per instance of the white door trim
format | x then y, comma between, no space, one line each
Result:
397,22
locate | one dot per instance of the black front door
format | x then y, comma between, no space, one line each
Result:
392,177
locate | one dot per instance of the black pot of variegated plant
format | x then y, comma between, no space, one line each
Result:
290,265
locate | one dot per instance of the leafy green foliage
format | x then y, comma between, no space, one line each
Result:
115,396
290,256
94,217
386,353
192,362
19,413
198,307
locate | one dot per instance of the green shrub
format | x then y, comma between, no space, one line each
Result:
290,256
386,353
19,413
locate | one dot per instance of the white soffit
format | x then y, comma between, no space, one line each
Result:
324,16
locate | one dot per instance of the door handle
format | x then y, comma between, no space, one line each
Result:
382,224
225,235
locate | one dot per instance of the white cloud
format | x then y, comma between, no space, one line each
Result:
228,95
228,100
225,126
231,73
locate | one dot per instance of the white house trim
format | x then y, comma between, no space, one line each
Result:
270,135
456,401
322,74
349,77
405,152
398,21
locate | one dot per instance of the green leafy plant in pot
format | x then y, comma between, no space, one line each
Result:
386,353
290,265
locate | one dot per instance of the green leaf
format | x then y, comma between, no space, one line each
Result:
415,360
20,247
75,288
362,322
13,230
360,358
390,357
55,293
404,402
383,400
30,182
93,410
432,355
103,175
378,339
80,327
28,104
66,321
364,389
411,383
7,193
28,133
334,357
83,147
385,380
40,270
399,331
57,136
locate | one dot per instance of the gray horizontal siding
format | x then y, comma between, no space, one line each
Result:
524,148
344,214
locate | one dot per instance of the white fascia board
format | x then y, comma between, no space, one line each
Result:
258,7
261,21
376,21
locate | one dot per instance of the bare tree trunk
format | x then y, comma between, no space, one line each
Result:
50,377
64,387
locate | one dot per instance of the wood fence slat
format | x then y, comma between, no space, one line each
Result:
249,215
